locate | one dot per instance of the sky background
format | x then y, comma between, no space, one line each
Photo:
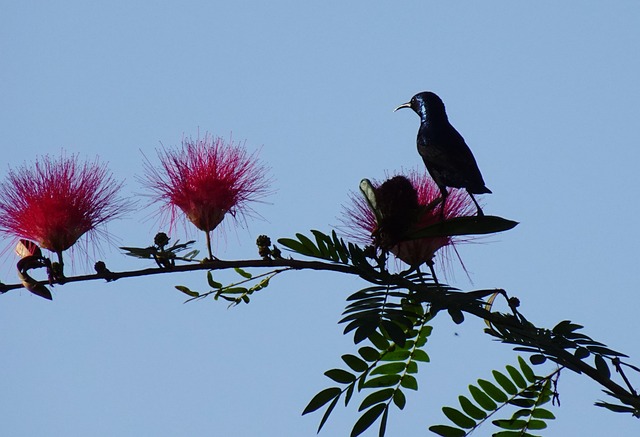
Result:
546,95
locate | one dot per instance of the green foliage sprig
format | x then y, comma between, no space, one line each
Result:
397,302
518,388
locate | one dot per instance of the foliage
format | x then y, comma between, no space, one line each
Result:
393,312
235,292
521,389
390,324
384,370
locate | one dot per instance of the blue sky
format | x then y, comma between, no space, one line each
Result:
546,95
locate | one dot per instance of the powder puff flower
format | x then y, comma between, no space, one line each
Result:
205,180
405,204
56,201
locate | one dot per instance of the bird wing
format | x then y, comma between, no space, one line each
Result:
449,159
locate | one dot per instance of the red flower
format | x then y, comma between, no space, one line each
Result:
57,201
205,180
402,217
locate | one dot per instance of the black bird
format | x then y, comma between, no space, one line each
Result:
445,153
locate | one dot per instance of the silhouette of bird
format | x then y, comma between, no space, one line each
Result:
445,153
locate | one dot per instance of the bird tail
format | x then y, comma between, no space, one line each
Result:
480,190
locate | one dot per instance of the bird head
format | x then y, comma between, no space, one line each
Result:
426,104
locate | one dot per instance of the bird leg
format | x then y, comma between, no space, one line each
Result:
480,213
445,193
433,272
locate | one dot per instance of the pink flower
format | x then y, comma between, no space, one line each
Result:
406,204
58,200
205,180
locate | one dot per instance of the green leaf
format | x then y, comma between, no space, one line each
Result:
382,381
420,355
321,244
505,382
469,408
605,351
309,246
367,419
212,283
522,403
376,398
412,367
396,355
326,246
394,332
581,353
264,283
458,418
541,413
341,376
517,377
139,252
409,382
327,413
493,391
348,393
355,363
566,327
510,424
399,399
447,431
235,290
601,366
537,359
187,291
456,315
523,412
378,340
482,399
475,225
321,399
425,332
536,424
389,369
615,408
243,273
362,379
511,434
383,422
340,247
364,330
191,255
293,245
526,370
369,353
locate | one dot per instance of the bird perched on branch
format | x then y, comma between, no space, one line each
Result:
445,153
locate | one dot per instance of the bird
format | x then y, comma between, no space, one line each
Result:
446,155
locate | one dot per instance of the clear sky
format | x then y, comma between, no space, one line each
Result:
545,93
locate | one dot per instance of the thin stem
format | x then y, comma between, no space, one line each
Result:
59,254
616,363
433,272
235,284
208,234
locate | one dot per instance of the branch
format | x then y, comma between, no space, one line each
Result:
209,265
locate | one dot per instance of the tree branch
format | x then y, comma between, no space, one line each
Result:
209,265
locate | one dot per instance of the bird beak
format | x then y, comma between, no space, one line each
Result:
404,105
